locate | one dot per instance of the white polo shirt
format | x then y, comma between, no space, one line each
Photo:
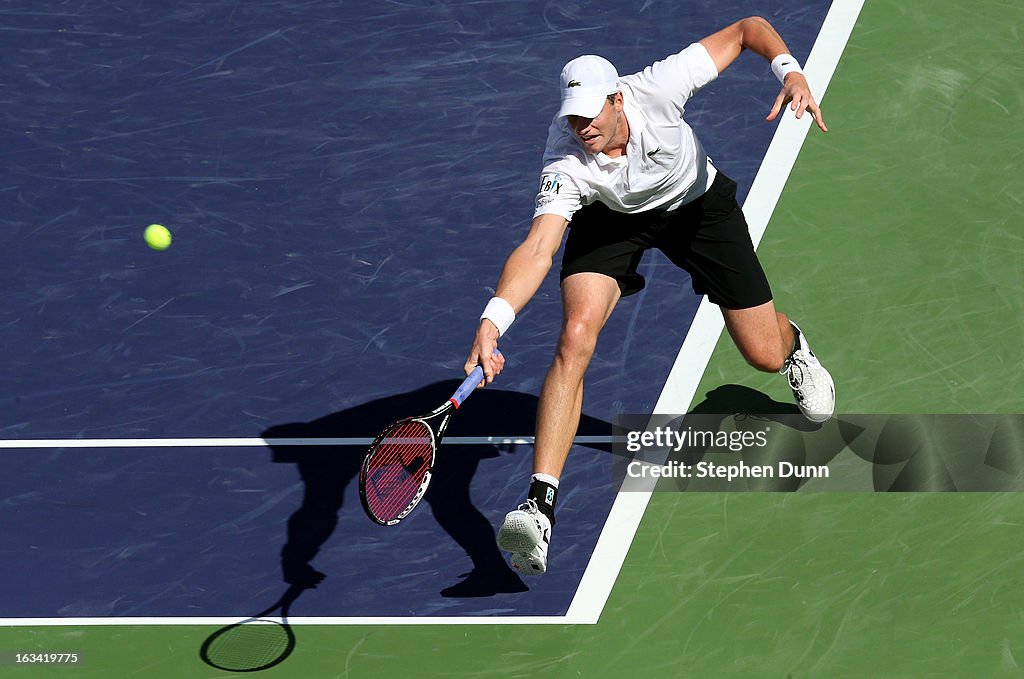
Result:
664,165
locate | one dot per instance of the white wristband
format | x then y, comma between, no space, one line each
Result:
783,65
499,312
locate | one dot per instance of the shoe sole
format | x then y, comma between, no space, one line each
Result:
526,565
518,534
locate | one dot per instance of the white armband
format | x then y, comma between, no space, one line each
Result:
499,312
783,65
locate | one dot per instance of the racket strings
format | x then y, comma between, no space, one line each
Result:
398,468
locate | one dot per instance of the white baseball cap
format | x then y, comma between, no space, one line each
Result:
586,83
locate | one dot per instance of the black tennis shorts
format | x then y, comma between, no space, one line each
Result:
707,237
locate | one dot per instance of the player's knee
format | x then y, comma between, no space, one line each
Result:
578,339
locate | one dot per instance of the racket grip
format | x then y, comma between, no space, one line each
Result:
469,384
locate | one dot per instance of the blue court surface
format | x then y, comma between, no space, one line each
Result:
343,182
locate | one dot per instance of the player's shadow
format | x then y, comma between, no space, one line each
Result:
745,409
735,399
326,471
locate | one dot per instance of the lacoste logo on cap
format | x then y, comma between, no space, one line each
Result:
574,83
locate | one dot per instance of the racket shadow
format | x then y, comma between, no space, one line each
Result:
255,644
327,471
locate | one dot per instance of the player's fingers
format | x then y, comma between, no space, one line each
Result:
471,363
488,365
492,363
816,115
780,101
482,382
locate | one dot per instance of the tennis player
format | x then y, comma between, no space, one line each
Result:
622,165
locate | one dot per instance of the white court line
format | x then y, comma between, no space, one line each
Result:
380,620
12,444
684,377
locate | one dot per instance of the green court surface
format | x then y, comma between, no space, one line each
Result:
897,245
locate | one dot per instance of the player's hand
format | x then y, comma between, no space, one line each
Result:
482,353
797,93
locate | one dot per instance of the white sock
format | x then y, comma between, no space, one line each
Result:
546,478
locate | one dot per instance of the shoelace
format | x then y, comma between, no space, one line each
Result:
795,369
529,506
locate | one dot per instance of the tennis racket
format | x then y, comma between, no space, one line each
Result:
396,470
255,644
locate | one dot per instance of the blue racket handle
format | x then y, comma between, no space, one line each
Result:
469,384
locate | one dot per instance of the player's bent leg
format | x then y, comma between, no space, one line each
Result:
762,335
770,342
588,300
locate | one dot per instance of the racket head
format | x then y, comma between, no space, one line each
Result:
397,467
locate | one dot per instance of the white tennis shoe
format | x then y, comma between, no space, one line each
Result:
812,386
526,533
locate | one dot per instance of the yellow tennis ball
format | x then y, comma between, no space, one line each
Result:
158,237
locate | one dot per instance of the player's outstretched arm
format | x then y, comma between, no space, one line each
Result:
758,36
524,271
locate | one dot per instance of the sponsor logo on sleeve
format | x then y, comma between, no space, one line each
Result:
551,183
550,186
